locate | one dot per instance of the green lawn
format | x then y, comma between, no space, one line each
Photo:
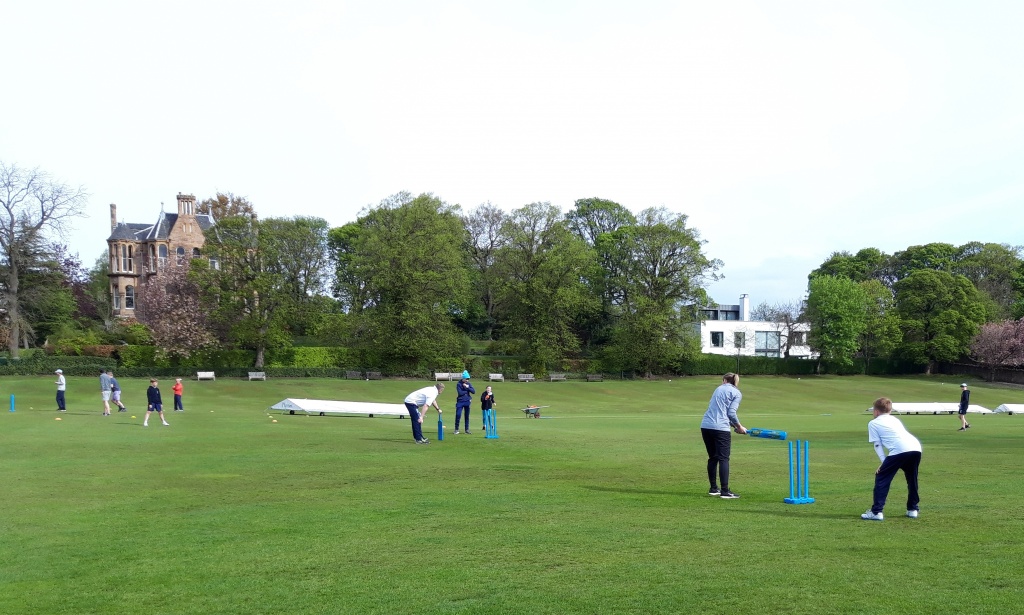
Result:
600,508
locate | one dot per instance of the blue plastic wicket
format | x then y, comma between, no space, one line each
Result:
440,427
799,491
490,424
12,402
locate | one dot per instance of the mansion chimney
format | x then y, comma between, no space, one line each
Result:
113,216
186,204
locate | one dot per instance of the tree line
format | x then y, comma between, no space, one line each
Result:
413,283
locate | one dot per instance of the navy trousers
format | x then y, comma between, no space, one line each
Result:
909,463
458,414
414,416
60,400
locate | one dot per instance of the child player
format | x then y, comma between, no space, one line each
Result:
155,403
887,433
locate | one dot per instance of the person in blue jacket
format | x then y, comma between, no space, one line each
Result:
463,400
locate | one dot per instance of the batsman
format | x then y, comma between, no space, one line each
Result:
715,430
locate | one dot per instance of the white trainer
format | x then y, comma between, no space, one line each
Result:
912,514
870,516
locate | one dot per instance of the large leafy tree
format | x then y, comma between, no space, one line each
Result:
251,297
660,267
996,270
226,204
940,313
543,291
882,334
483,239
32,206
597,222
866,264
303,262
835,310
402,275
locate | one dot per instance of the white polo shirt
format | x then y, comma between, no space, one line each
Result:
888,431
422,397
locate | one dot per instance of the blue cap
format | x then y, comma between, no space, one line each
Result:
465,373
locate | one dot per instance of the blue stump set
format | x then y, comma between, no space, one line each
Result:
799,483
490,425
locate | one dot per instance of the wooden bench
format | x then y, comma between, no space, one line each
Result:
205,376
257,375
373,376
350,375
555,377
526,378
595,377
496,377
445,375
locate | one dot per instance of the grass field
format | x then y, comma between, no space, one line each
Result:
601,508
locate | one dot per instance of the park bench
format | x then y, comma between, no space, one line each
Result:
526,378
351,375
205,376
373,376
555,377
496,377
445,375
257,375
595,377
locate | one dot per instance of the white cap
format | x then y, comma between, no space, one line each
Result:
58,372
963,384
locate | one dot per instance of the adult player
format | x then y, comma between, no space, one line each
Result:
422,398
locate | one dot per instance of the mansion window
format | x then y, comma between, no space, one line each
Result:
126,259
163,256
117,298
181,255
129,297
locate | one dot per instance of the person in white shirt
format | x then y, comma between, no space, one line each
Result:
424,398
887,433
61,387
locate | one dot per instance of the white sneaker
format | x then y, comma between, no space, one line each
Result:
456,432
145,424
870,516
166,424
912,514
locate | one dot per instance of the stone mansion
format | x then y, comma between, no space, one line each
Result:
139,253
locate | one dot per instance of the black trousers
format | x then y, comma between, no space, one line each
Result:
719,446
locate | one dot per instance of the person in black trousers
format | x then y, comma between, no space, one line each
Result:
965,402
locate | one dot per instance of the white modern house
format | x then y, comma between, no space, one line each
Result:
728,330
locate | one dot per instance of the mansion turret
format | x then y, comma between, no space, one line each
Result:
139,253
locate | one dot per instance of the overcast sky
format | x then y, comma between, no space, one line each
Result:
784,130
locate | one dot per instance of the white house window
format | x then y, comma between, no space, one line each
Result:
739,339
717,339
799,338
766,343
129,297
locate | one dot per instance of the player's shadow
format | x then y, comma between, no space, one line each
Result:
635,491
